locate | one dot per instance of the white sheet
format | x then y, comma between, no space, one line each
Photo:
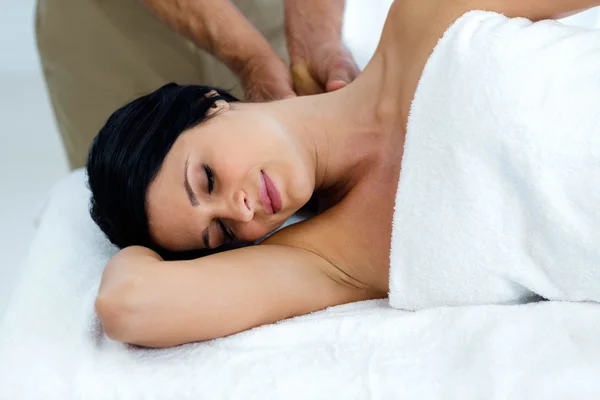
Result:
51,346
499,193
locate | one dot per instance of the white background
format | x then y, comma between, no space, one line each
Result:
31,157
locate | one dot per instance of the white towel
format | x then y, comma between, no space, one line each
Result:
499,195
52,348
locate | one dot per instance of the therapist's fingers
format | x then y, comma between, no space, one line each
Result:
267,79
258,92
323,68
340,69
303,81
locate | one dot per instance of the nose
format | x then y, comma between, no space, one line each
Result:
239,207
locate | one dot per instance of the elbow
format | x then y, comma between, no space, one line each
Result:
123,303
118,309
122,320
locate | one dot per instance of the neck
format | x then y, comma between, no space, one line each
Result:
341,130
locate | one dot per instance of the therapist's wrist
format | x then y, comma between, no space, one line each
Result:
263,73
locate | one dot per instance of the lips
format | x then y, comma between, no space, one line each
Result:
269,195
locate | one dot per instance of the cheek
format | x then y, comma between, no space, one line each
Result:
300,183
254,231
169,226
233,156
254,146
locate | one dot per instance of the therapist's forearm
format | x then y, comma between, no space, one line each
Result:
318,18
215,26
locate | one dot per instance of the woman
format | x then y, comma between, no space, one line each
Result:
222,170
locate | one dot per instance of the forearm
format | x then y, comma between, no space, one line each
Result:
323,19
322,15
215,26
150,302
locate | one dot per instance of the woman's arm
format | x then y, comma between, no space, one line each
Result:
146,301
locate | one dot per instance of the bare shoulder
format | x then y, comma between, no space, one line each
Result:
351,242
316,239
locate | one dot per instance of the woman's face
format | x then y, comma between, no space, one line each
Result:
238,175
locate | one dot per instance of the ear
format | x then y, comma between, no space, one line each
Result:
218,107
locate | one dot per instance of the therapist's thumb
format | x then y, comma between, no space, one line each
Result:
341,71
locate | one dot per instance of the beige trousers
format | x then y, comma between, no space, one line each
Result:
98,55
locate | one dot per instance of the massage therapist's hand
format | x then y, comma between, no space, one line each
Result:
320,62
221,29
266,77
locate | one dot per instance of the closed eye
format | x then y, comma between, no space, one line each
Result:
226,231
209,177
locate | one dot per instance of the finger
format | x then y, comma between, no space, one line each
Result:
267,79
335,84
304,83
279,92
262,93
283,94
270,87
341,73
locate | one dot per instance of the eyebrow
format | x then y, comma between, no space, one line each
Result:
188,188
194,201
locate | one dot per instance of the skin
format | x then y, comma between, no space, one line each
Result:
319,59
313,35
262,144
346,145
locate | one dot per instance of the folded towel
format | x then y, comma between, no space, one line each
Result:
52,348
499,195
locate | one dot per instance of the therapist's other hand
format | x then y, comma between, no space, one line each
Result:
266,78
325,69
320,62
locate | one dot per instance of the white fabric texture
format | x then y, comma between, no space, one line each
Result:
52,347
499,194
